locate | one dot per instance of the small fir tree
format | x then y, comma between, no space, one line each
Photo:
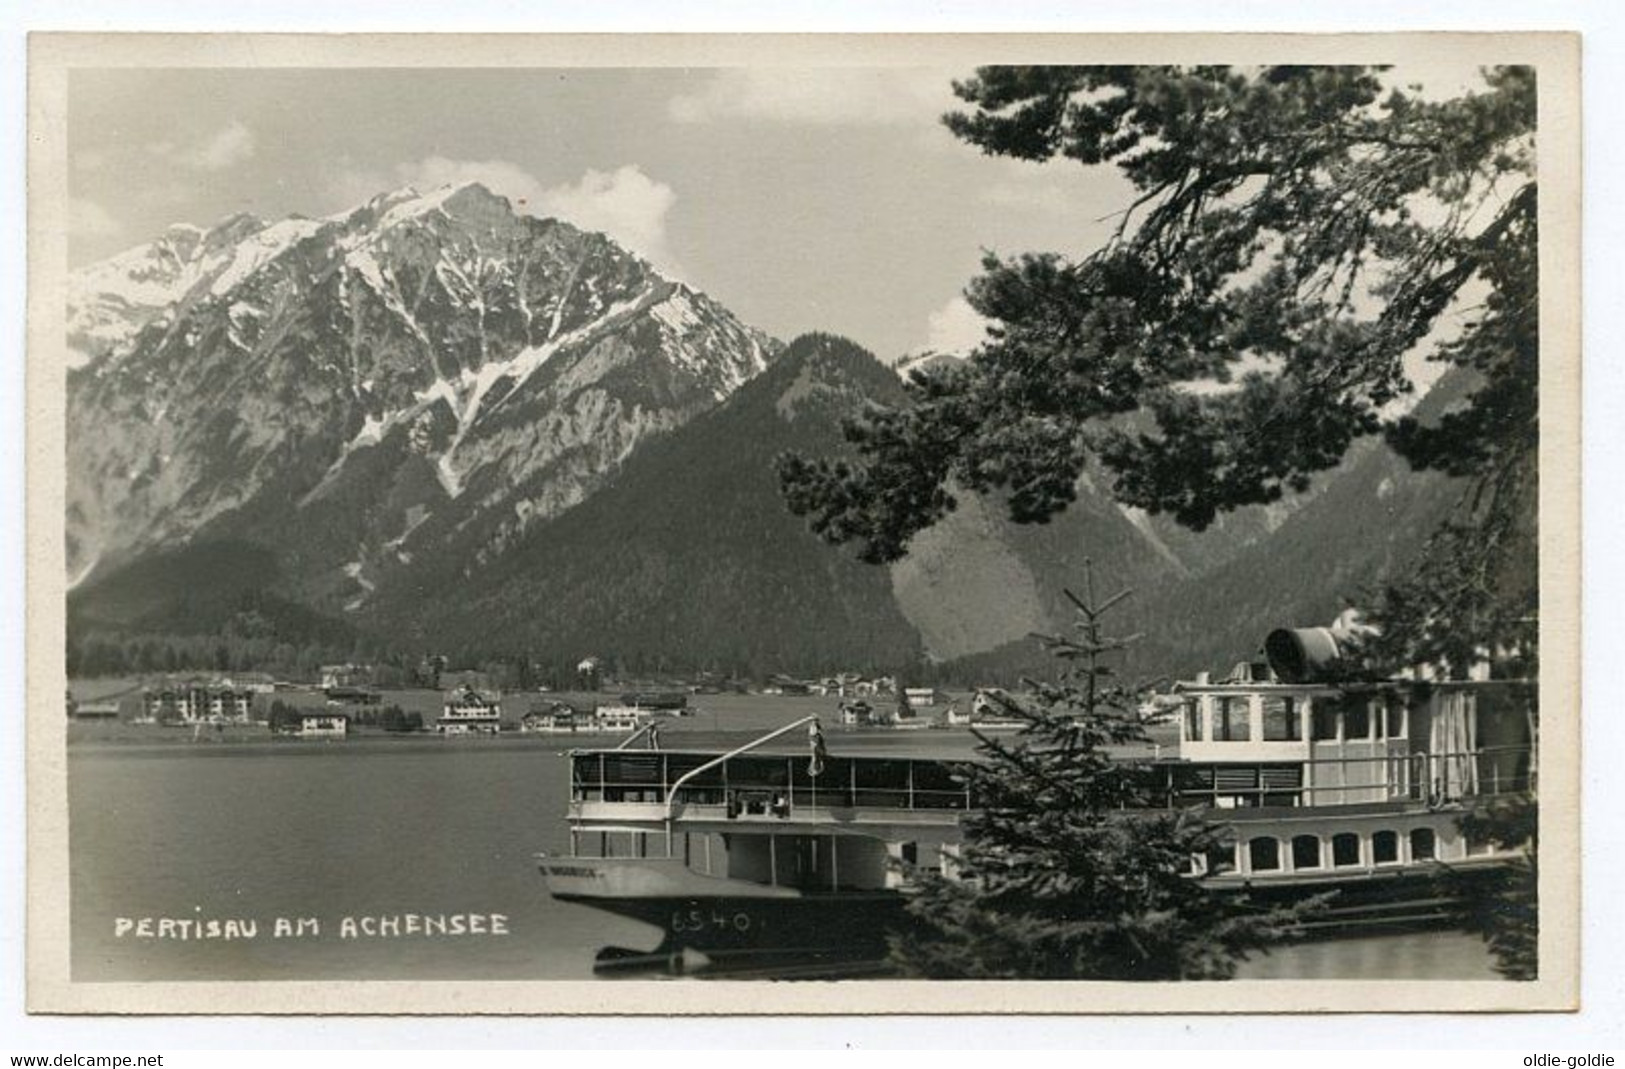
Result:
1072,867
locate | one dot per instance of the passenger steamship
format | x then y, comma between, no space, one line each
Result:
759,853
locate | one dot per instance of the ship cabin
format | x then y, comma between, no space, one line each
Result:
1324,776
1254,740
853,823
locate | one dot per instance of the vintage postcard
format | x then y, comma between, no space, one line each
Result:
803,524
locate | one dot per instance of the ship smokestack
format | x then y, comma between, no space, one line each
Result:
1313,654
1302,654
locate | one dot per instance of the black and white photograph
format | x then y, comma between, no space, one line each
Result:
556,524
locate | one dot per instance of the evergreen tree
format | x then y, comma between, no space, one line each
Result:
283,717
1505,907
1070,866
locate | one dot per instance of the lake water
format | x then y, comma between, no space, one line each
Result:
378,826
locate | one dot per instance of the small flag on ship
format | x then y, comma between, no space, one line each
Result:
815,739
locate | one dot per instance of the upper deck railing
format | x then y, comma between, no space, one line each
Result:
1430,777
646,776
778,784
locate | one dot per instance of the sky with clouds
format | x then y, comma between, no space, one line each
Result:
803,199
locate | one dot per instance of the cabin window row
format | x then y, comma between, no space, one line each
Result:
1285,718
1301,853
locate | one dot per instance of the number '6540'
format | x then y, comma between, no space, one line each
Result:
695,920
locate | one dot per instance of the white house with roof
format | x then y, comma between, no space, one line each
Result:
193,703
922,697
470,712
557,718
620,719
323,724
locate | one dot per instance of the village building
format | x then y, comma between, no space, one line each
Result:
783,684
837,686
557,718
323,724
619,719
923,697
345,675
255,682
194,704
988,708
233,705
872,688
95,710
470,712
857,713
170,705
986,702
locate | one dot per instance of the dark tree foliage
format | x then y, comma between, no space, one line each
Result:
1295,233
1069,870
1507,913
397,721
1475,588
283,717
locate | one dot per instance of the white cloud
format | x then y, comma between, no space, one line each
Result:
822,96
626,204
231,145
956,327
87,219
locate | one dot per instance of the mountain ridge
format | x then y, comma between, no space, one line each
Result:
504,350
432,423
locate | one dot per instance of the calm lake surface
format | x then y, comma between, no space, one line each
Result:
383,827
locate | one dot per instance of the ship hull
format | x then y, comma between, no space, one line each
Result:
1421,897
733,925
728,922
755,931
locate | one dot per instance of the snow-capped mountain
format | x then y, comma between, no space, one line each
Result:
421,377
109,302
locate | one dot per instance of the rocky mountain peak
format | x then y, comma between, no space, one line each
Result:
463,369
